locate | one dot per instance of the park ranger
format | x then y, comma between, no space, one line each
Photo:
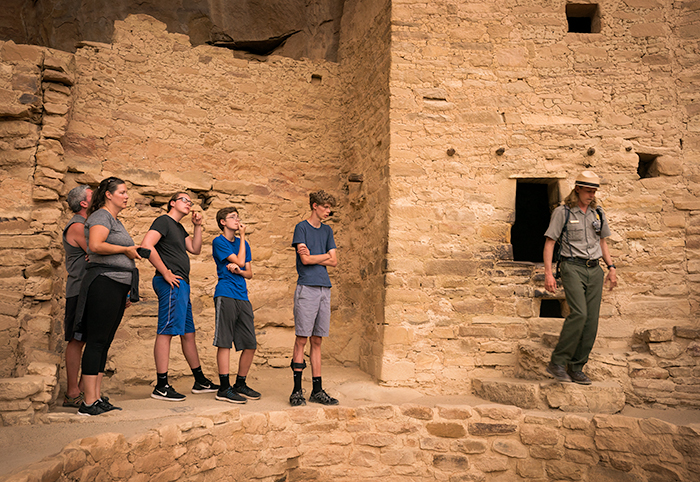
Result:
582,229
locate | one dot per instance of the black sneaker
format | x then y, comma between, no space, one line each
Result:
106,406
578,377
323,398
558,372
247,392
207,387
167,393
228,394
296,399
89,410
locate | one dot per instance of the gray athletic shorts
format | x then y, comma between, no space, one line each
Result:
234,324
312,310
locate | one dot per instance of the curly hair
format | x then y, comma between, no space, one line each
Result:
98,197
321,197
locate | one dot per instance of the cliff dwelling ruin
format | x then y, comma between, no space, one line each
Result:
447,130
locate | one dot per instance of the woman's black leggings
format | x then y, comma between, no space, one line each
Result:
104,309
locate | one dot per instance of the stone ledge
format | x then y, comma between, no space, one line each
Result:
600,397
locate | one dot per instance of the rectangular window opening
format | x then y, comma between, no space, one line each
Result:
550,308
647,166
583,17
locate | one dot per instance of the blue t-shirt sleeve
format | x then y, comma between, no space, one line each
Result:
299,235
220,249
331,239
248,255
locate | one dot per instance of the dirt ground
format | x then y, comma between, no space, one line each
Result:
23,445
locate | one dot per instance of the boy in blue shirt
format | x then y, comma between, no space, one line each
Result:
234,313
315,250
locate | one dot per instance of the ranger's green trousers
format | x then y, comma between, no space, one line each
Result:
584,290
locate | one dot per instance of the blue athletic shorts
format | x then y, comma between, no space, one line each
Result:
174,307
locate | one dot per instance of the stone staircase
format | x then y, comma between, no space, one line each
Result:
535,389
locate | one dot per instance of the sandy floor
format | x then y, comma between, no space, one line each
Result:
28,444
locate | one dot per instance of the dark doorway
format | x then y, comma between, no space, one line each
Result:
550,309
532,200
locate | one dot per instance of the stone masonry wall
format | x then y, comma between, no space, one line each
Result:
258,135
471,78
388,443
35,107
365,62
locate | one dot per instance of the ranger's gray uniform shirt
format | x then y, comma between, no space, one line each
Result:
580,239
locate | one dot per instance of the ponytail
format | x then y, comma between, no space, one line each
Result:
99,196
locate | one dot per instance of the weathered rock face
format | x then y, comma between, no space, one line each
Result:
297,29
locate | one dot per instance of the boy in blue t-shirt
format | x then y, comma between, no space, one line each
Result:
315,250
234,313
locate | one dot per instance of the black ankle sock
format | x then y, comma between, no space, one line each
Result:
317,384
161,379
240,381
297,381
223,380
199,375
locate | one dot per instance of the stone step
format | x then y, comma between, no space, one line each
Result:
603,364
600,397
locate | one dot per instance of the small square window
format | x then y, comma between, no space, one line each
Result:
583,17
647,166
550,308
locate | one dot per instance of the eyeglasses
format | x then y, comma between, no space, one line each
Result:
186,201
232,216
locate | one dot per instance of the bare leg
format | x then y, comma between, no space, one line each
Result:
315,356
189,349
161,352
223,361
244,362
299,344
92,388
74,352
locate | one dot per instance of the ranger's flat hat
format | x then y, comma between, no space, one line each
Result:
588,179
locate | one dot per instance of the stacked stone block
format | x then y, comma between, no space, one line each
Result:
34,110
484,95
364,66
255,134
384,442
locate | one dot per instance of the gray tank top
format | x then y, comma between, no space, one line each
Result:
75,260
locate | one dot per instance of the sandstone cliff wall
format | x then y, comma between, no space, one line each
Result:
165,116
471,78
424,131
